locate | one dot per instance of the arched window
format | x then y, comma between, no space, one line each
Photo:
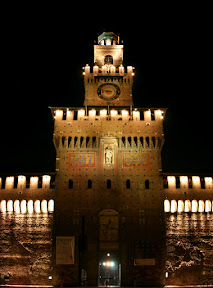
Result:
108,60
109,184
128,184
70,184
89,184
147,184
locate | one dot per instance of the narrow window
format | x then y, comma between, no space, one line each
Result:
147,184
109,184
70,184
128,184
89,184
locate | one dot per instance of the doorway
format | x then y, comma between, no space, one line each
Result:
109,272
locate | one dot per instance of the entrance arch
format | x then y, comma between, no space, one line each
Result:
109,271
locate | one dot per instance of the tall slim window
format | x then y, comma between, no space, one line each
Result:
70,184
89,184
147,184
128,184
109,185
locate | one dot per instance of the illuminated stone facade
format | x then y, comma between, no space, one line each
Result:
109,184
109,195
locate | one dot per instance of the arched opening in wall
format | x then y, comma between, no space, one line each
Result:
173,206
30,206
154,141
89,184
141,140
87,142
147,141
147,184
109,272
187,206
81,140
201,206
128,184
3,206
23,206
44,206
51,206
63,140
130,141
69,140
93,142
108,60
108,264
75,140
208,206
194,206
123,140
10,206
166,205
180,206
37,206
17,206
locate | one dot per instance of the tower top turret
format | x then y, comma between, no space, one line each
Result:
108,38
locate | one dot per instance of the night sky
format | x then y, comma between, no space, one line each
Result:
45,53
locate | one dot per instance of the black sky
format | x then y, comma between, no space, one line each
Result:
46,50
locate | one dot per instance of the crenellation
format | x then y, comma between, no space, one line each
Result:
9,183
196,183
113,114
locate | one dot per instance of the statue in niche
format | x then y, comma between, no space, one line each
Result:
108,155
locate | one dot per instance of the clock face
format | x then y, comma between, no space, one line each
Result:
108,91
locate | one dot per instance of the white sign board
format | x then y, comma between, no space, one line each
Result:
65,247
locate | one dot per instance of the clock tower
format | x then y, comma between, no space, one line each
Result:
109,219
109,83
